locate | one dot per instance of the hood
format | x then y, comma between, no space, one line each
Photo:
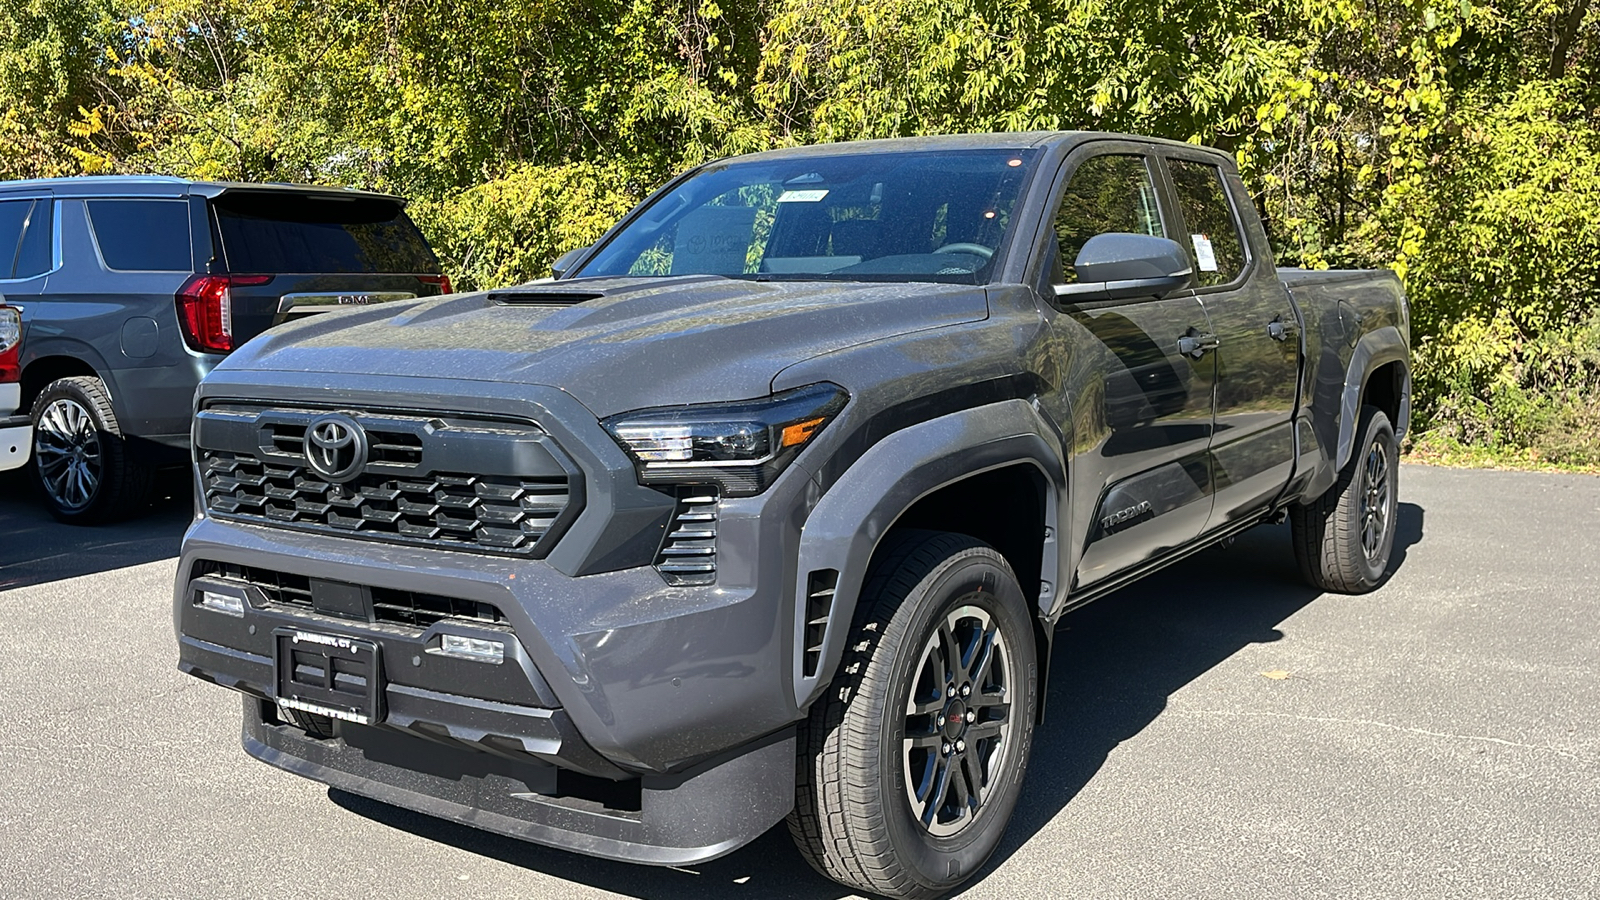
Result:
615,344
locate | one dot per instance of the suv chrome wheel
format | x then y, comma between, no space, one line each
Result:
958,721
66,445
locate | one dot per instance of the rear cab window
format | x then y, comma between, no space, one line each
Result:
278,232
1214,241
142,235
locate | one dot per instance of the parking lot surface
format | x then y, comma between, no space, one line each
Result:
1218,730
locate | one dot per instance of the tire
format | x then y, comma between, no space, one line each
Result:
80,455
854,820
313,724
1343,539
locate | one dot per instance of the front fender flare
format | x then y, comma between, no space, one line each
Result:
844,529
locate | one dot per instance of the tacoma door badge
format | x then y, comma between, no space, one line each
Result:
336,447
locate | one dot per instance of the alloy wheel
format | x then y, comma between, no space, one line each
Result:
958,721
1375,502
66,444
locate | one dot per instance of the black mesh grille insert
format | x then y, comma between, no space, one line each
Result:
389,606
484,512
689,553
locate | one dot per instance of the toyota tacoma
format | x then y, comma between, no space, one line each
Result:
767,505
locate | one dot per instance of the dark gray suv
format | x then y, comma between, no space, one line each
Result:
133,288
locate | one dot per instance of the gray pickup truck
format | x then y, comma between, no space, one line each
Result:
768,504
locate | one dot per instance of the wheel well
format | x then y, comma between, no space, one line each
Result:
1384,388
1004,508
41,372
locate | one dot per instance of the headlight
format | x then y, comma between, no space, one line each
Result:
741,446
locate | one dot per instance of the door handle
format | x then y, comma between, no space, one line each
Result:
1195,343
1278,330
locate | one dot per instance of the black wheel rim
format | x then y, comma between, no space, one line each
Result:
958,721
66,445
1375,501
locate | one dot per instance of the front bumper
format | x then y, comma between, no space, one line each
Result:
662,820
16,442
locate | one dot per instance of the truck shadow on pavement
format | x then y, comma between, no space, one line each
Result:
36,549
1116,662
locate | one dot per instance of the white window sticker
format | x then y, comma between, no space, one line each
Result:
802,196
1203,254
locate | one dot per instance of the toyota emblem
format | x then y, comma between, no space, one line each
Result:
336,447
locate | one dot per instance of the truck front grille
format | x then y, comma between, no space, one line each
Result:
689,553
488,487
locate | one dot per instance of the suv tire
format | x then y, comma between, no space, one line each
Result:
898,714
80,456
1343,539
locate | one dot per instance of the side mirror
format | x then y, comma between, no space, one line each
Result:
566,261
1116,266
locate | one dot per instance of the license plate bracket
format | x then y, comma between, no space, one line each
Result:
329,674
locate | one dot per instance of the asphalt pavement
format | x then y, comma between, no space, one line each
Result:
1219,730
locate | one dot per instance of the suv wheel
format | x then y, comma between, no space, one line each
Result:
1343,539
81,457
912,762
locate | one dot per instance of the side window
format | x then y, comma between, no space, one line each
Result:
142,235
13,214
1214,241
35,257
1106,194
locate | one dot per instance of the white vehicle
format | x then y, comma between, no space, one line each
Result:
16,434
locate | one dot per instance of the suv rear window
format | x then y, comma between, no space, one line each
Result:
142,235
282,233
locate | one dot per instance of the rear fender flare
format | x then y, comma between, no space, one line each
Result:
844,529
1375,348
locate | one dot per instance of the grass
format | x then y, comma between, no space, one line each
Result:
1436,450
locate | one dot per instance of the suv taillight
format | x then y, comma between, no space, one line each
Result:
206,311
443,281
10,345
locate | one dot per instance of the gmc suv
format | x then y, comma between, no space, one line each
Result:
131,289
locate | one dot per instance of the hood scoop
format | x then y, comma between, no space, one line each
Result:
536,297
565,294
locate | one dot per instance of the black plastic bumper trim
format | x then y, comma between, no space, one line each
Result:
704,814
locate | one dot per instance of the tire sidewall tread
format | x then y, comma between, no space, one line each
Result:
125,484
1326,532
851,821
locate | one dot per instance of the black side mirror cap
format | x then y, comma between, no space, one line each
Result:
566,261
1116,266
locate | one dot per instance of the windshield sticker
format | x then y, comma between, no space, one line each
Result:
1203,254
802,196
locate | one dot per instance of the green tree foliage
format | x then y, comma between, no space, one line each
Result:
1454,140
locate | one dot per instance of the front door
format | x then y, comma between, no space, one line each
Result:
1141,481
1258,351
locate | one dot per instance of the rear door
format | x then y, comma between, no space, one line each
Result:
1142,426
1258,353
317,251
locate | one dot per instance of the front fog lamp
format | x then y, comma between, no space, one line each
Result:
227,604
741,446
475,649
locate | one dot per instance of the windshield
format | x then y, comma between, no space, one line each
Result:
905,216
